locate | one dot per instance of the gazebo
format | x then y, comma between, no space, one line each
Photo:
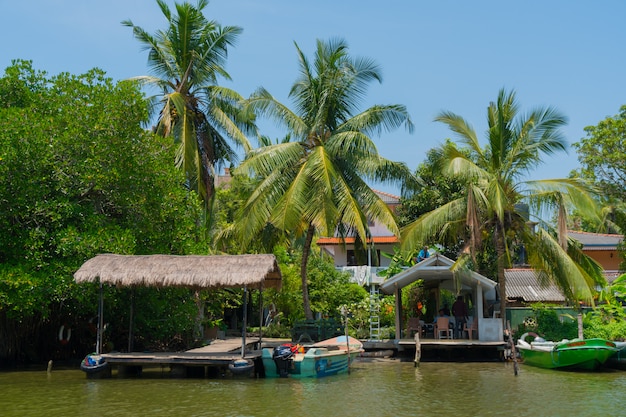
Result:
191,271
437,274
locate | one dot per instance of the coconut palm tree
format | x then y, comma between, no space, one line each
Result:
495,196
186,59
316,181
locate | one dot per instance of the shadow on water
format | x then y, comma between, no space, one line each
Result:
373,388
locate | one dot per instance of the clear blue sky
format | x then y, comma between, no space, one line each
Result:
435,55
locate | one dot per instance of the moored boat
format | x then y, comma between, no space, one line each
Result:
328,357
241,367
576,354
95,365
618,360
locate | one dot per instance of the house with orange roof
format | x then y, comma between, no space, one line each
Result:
343,250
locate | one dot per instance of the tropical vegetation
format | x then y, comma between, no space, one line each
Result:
601,154
316,183
186,60
80,175
495,197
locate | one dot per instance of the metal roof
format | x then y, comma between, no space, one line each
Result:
596,241
523,284
436,269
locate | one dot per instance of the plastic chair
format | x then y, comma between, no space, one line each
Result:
443,327
414,324
471,328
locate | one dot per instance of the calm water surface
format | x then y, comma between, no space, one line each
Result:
379,388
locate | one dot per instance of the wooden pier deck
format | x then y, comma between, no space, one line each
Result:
217,355
448,350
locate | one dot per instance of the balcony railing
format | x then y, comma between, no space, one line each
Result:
363,274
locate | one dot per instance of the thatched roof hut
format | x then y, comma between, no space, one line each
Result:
193,271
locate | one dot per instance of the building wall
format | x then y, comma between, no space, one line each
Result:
609,259
340,254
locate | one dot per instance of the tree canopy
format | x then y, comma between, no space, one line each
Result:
602,154
79,176
316,181
187,59
493,204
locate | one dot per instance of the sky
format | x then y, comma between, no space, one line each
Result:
435,56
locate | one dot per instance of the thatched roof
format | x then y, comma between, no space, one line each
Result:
194,271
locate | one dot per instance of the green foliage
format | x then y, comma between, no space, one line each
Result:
415,299
547,324
330,289
186,59
400,260
315,183
436,191
601,155
608,320
594,327
80,176
163,319
492,206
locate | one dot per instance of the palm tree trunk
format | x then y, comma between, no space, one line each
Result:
501,252
306,251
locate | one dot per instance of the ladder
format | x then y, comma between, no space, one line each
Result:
374,313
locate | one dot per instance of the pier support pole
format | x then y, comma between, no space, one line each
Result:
418,349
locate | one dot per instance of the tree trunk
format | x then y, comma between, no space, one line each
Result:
306,251
501,252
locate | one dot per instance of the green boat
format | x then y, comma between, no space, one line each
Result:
618,361
576,354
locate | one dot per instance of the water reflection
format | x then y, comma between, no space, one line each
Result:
376,388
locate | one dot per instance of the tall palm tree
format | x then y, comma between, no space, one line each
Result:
316,181
186,59
495,196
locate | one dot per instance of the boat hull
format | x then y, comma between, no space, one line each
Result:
618,360
588,354
95,366
326,358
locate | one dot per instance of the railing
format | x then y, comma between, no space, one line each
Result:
363,274
315,330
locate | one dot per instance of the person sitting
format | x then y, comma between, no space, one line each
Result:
423,254
446,310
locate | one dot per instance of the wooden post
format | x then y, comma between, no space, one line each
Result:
345,330
245,322
99,348
131,319
512,345
580,326
418,349
260,318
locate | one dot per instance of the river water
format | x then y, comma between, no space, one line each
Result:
373,388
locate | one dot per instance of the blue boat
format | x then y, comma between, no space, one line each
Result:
321,359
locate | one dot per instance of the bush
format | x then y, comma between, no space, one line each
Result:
547,324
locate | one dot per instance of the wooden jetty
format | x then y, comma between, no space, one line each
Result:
210,360
444,350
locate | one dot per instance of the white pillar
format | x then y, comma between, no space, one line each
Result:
479,307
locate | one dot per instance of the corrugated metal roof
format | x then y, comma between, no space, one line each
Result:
523,284
596,241
350,240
